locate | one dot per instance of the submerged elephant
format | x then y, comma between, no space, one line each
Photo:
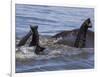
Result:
79,38
34,41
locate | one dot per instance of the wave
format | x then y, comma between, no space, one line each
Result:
54,57
28,52
38,19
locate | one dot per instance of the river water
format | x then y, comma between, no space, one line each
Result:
50,21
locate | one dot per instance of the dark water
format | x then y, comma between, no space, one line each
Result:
51,20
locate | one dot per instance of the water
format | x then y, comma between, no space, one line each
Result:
50,21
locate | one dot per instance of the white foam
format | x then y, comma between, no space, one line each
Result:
28,52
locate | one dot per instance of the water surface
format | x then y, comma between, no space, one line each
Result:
50,21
